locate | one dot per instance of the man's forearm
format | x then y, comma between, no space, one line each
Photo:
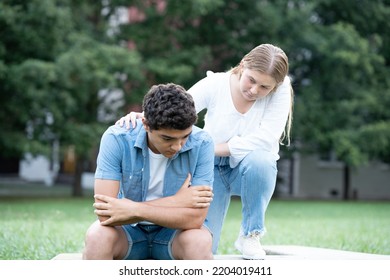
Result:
172,217
169,201
106,187
125,211
186,197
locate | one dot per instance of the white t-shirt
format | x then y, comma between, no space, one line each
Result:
158,165
260,127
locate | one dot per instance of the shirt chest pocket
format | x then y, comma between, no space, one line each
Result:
174,184
132,188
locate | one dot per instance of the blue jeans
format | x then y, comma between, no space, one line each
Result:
149,242
253,179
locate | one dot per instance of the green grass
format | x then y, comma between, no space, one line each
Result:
44,222
42,228
353,226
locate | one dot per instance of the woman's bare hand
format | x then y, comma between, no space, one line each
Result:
130,119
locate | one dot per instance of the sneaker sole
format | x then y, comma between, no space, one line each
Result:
253,257
246,257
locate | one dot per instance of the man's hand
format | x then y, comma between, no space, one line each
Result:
193,197
118,211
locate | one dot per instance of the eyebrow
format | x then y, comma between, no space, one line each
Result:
257,82
170,137
261,84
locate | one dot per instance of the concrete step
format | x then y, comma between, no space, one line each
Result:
275,252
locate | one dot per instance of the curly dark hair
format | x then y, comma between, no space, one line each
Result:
169,106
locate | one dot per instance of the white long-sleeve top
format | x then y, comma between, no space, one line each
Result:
260,127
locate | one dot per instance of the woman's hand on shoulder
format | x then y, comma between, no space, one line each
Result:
130,119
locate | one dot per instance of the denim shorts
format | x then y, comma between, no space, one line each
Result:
149,242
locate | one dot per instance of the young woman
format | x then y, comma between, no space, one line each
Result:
249,114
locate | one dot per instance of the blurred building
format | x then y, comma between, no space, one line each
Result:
312,177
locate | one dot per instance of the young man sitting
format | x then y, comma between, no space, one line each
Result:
153,184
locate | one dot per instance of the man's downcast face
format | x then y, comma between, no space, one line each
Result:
167,141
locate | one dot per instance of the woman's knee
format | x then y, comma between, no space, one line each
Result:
258,173
259,160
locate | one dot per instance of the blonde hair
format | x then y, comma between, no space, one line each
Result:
273,61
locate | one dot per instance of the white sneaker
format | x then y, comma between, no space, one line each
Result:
250,247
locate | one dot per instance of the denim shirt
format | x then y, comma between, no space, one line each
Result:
123,156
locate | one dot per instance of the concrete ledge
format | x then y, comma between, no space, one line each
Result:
303,252
68,256
276,252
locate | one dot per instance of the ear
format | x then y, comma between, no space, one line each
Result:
145,124
241,69
276,87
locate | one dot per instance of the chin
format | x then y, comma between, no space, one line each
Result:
169,155
247,98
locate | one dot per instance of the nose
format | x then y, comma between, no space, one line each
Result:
255,89
176,146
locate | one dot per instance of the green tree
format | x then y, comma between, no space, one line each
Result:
31,37
371,23
341,109
338,51
180,40
55,56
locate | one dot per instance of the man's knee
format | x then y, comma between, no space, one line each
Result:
202,239
98,233
193,244
99,240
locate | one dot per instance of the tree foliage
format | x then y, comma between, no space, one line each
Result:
55,56
338,51
348,81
